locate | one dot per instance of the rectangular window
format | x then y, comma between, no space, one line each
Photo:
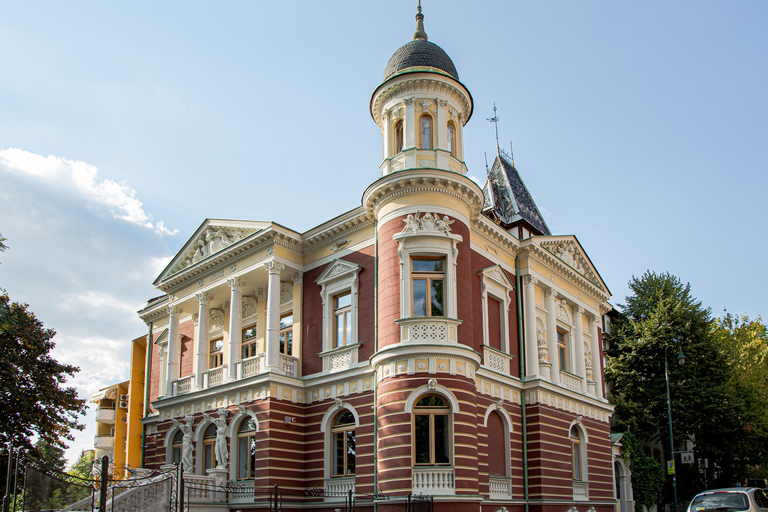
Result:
286,335
216,353
249,342
342,319
494,323
246,457
428,279
562,350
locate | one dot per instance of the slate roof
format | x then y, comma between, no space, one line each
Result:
420,53
507,199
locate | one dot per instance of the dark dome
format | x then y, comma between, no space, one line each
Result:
420,53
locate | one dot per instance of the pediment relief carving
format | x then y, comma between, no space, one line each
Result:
496,274
216,320
249,307
562,311
429,222
338,269
210,241
569,253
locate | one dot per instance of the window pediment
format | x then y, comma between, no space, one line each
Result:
338,270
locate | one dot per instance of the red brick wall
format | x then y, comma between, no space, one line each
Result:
312,335
186,364
389,284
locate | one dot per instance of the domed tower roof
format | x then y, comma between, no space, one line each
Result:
420,54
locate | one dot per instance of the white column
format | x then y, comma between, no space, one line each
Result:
163,385
531,344
273,315
597,360
554,354
578,339
235,325
201,352
386,130
174,350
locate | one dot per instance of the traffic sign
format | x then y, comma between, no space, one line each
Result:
686,457
671,467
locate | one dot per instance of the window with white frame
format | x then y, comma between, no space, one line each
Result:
246,450
343,444
578,452
176,447
209,447
432,435
339,294
286,334
496,289
428,285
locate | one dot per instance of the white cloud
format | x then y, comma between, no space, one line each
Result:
480,181
120,198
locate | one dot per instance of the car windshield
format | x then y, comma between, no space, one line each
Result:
720,501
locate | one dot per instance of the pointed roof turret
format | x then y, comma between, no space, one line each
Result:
507,200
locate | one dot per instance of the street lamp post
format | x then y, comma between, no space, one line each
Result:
681,360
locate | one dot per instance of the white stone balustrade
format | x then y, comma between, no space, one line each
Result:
496,360
580,491
251,366
433,480
338,488
570,381
289,365
183,385
214,376
500,488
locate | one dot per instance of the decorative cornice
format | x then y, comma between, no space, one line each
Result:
420,85
596,291
397,184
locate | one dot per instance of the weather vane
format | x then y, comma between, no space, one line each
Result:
495,120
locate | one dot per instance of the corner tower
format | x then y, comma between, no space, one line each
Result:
421,108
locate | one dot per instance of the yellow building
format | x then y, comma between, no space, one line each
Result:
120,407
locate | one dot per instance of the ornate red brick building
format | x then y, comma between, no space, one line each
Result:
437,339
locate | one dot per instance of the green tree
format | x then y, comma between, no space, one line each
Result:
33,393
647,473
660,319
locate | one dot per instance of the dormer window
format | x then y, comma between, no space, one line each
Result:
425,141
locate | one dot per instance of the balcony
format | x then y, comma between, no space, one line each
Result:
433,480
214,377
338,488
104,442
105,416
570,381
428,330
251,366
289,365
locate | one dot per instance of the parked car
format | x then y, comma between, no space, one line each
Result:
733,499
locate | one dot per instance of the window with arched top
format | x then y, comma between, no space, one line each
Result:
425,137
398,136
432,431
343,444
209,447
176,447
576,455
452,138
246,450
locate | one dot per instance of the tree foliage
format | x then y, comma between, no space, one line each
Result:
660,319
647,473
33,393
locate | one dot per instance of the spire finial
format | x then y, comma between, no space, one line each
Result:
495,120
419,34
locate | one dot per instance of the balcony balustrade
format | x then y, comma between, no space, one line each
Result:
433,480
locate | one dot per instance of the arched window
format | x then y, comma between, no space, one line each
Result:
246,449
176,447
432,432
209,447
398,136
343,444
452,138
425,124
576,458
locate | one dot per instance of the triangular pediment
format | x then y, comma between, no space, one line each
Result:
163,338
212,237
336,269
496,273
569,251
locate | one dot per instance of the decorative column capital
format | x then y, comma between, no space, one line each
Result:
579,310
274,267
550,292
530,281
261,294
175,310
195,318
236,283
298,277
425,105
204,298
523,255
225,307
409,101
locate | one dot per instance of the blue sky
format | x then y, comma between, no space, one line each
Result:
640,127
